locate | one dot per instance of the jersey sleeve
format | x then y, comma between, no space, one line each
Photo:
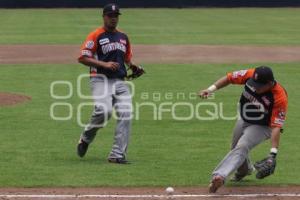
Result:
240,77
279,111
128,54
89,47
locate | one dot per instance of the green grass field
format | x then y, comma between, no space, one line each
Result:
155,26
38,151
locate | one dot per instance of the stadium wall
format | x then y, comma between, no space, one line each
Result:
146,3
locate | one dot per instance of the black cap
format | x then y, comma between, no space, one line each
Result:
262,75
111,8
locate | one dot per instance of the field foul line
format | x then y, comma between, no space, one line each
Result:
58,196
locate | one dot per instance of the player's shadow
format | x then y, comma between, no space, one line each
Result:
90,160
246,182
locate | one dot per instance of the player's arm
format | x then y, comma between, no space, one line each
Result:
278,118
88,50
275,138
137,70
267,166
222,82
128,56
98,63
237,77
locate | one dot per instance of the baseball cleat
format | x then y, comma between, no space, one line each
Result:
216,183
238,176
118,160
82,148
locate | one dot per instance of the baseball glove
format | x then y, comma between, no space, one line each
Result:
137,71
265,167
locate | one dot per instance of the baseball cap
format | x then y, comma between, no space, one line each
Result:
262,75
111,8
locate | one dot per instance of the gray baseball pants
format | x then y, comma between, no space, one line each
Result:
109,94
245,137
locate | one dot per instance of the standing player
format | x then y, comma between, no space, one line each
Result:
263,107
106,51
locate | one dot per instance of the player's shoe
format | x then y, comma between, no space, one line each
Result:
82,148
118,160
238,176
216,182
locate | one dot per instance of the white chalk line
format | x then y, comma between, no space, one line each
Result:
59,196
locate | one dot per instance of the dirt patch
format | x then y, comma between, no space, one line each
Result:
10,99
67,54
126,193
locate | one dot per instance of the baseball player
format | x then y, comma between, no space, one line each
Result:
106,51
263,107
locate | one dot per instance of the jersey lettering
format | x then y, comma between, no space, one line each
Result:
112,47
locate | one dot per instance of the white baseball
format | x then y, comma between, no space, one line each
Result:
169,190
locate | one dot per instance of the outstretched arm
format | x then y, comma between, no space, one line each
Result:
222,82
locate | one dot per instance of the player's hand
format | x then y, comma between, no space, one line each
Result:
111,65
204,94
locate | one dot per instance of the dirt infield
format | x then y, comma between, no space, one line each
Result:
10,99
190,193
67,54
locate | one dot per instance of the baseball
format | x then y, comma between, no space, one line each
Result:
169,190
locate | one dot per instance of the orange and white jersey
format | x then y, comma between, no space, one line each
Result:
268,109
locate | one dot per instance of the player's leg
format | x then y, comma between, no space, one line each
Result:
246,168
123,107
218,181
253,135
101,91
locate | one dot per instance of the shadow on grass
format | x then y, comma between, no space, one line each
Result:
94,161
246,182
